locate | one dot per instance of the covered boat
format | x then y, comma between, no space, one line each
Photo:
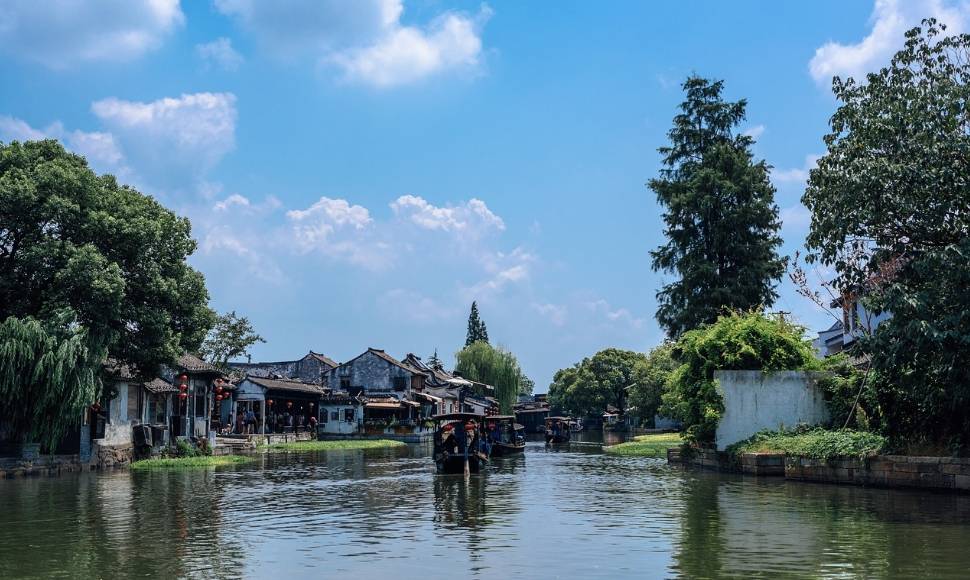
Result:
460,445
557,430
504,435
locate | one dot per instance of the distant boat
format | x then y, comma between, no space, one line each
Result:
557,430
504,435
460,446
576,425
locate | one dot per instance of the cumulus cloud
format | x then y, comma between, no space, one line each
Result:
233,200
889,20
796,217
172,140
219,53
755,132
365,39
472,217
99,148
62,33
338,229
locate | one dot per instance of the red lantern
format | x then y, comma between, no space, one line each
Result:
218,389
289,404
270,402
218,381
218,397
183,387
183,378
183,395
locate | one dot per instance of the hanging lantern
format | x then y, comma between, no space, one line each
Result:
270,402
218,389
218,381
183,387
183,378
289,404
218,397
311,405
183,395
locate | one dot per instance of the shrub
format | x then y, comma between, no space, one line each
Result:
814,443
737,341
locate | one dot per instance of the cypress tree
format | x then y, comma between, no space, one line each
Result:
476,327
720,215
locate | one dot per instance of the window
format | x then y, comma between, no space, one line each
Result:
344,384
323,416
400,383
335,415
349,415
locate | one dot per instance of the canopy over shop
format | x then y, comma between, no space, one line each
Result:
276,405
383,411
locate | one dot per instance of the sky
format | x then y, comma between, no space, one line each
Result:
357,173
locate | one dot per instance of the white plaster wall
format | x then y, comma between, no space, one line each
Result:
340,426
756,400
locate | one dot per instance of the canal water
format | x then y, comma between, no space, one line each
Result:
548,513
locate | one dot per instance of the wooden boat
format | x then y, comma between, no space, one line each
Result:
460,446
504,435
576,425
557,430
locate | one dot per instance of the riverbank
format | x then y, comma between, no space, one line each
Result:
344,444
200,462
652,445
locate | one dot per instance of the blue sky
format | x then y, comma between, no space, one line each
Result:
358,172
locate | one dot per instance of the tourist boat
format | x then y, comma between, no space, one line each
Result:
460,445
504,435
557,430
576,425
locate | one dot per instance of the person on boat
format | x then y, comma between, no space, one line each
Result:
449,444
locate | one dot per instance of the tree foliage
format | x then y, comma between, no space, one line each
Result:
720,216
737,341
587,387
890,208
651,381
476,327
230,337
88,269
498,367
435,362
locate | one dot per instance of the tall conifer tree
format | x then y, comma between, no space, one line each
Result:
476,327
721,219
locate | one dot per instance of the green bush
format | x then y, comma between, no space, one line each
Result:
737,341
814,443
185,449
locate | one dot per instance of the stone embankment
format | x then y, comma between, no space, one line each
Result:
939,473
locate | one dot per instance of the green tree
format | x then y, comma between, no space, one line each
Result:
88,269
650,380
737,341
230,338
498,367
526,385
435,362
891,214
590,385
476,327
720,216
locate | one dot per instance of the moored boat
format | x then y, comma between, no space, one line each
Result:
504,435
460,446
557,430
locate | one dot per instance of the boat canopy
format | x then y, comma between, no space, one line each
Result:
558,419
458,416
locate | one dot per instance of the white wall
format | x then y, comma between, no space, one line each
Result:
339,426
756,400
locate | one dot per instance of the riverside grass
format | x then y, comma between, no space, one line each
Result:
343,444
818,444
653,445
199,462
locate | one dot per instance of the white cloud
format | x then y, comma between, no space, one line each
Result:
755,132
890,20
172,140
339,230
222,239
797,175
233,200
796,217
407,54
61,33
219,53
614,315
364,39
100,149
471,217
555,314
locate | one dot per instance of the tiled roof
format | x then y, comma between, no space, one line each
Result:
324,359
158,386
190,362
380,353
284,385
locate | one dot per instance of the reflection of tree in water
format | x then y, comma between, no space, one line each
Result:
698,553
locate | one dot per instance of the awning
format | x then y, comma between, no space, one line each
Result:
383,405
428,397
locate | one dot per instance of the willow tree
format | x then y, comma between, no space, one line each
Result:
89,269
720,215
498,367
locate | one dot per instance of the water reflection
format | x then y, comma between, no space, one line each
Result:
550,512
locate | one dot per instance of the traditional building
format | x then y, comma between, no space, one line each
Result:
312,368
280,406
